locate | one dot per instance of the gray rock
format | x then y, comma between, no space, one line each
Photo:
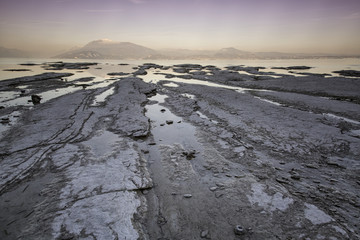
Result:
187,195
204,234
169,122
239,230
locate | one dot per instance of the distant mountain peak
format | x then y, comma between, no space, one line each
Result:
108,49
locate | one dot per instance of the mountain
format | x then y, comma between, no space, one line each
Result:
107,49
232,53
12,53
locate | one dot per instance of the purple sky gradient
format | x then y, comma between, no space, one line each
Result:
255,25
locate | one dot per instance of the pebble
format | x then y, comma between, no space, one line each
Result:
213,189
187,195
152,143
169,122
204,234
218,195
163,110
239,230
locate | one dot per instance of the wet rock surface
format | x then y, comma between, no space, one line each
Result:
216,156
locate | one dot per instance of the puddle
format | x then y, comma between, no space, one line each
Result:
8,121
176,132
102,144
171,85
46,96
101,97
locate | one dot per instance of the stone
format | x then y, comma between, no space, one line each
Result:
213,189
239,230
187,195
204,234
35,99
169,122
163,110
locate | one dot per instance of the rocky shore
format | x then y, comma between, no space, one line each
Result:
179,152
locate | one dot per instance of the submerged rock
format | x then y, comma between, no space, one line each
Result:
348,73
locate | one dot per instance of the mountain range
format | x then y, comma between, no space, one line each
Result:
12,53
107,49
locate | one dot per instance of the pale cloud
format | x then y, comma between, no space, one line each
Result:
353,16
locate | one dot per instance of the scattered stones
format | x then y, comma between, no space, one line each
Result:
187,195
168,122
239,230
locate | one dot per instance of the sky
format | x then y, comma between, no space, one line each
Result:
308,26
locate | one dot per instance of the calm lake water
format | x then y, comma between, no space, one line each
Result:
318,65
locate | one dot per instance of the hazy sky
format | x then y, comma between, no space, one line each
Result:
254,25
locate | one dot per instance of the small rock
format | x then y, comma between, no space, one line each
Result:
145,151
152,143
295,177
213,189
218,195
204,234
35,99
179,122
169,122
163,110
187,195
162,124
239,230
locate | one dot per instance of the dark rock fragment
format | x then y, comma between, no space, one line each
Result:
35,99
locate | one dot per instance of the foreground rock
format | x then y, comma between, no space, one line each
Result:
67,169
